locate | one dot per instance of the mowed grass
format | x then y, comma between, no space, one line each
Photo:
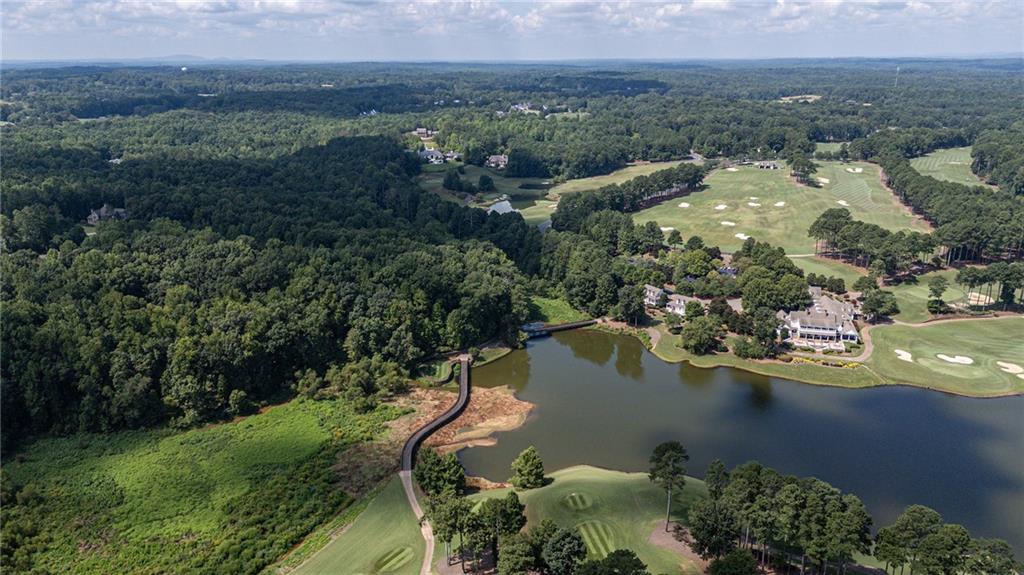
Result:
612,510
616,177
385,538
143,501
432,180
785,225
858,376
828,146
950,164
535,212
549,310
829,267
912,298
984,341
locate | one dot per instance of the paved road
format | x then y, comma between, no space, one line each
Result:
409,457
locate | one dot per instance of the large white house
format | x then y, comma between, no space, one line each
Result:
652,294
677,304
826,321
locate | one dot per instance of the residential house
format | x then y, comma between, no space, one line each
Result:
452,156
502,207
498,162
827,322
677,304
431,156
768,166
107,212
652,294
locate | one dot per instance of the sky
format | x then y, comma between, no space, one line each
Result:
330,30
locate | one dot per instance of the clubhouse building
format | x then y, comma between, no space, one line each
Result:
827,323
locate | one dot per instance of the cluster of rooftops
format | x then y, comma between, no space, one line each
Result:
826,321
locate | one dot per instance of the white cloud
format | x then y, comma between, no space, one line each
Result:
469,26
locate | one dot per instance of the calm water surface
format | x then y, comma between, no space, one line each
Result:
603,400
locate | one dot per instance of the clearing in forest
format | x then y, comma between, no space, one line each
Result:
726,197
617,177
432,180
978,357
612,510
951,165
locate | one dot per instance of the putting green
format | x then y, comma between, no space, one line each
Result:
950,164
612,510
578,501
769,206
939,354
600,538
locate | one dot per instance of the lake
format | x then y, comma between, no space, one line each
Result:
603,400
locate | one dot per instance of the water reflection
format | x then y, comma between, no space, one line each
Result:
891,446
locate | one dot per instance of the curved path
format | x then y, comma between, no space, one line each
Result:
409,458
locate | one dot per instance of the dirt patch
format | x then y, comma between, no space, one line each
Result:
666,540
361,467
490,410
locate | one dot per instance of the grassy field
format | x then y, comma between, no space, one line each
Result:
985,342
433,176
669,350
612,510
782,225
828,146
950,164
616,177
550,310
829,267
913,297
385,538
152,500
535,211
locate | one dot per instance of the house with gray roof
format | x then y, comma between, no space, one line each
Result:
828,322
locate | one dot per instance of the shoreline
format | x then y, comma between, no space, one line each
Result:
751,366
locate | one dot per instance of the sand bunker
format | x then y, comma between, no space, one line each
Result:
779,204
731,170
667,229
825,180
728,223
979,299
1010,367
855,170
754,197
684,205
960,359
904,355
843,203
721,207
743,236
754,204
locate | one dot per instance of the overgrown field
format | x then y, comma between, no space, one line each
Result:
972,350
228,498
549,310
769,206
612,510
950,164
